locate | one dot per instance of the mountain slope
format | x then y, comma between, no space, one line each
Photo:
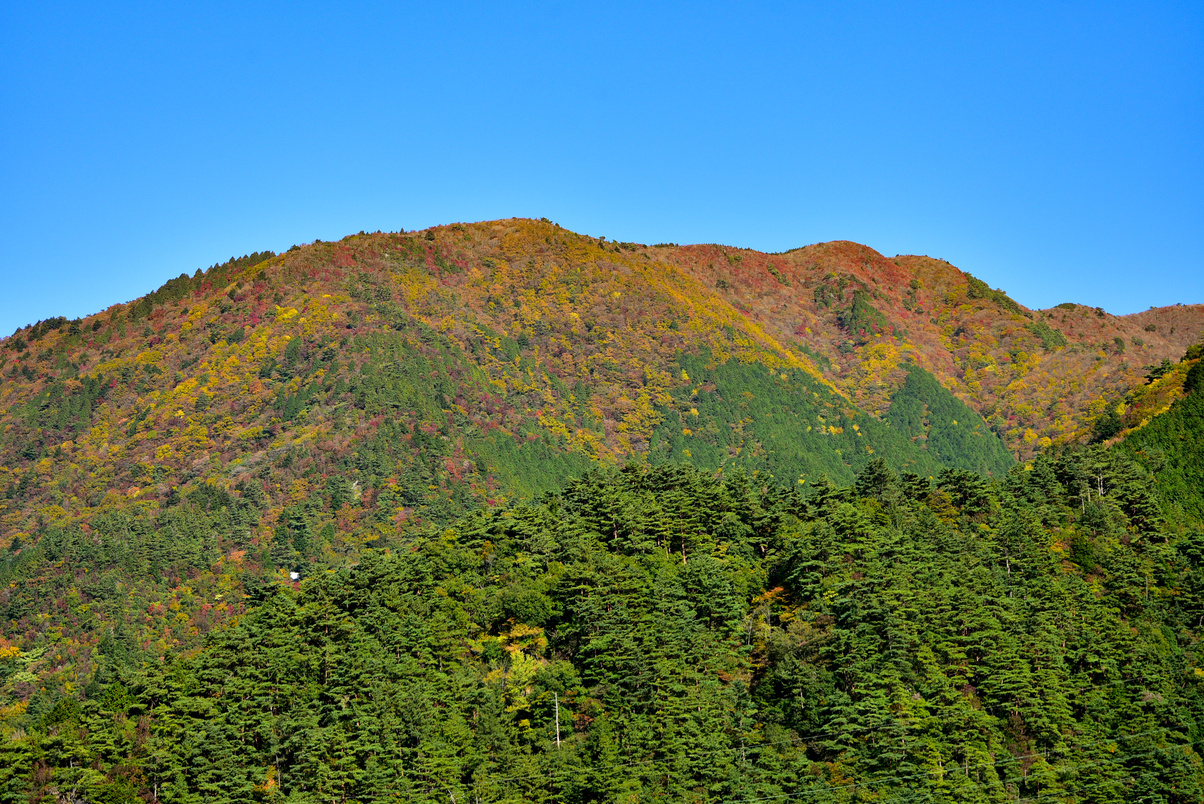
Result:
282,413
1162,427
1039,376
512,330
954,434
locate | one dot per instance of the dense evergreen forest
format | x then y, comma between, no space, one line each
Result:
668,634
1171,445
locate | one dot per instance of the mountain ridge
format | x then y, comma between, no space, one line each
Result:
815,308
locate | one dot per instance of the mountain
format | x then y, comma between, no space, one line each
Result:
167,463
597,328
507,355
345,391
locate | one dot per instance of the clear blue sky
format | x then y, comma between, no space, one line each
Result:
1053,150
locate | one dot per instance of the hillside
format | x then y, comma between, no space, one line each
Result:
512,353
1038,376
165,461
506,355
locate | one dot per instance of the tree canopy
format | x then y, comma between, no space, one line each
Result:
663,633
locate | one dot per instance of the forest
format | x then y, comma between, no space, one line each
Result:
664,633
498,512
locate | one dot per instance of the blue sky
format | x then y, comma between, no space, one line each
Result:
1055,150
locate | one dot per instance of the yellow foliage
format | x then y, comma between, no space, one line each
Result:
298,491
54,514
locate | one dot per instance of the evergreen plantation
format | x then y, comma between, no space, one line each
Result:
575,520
